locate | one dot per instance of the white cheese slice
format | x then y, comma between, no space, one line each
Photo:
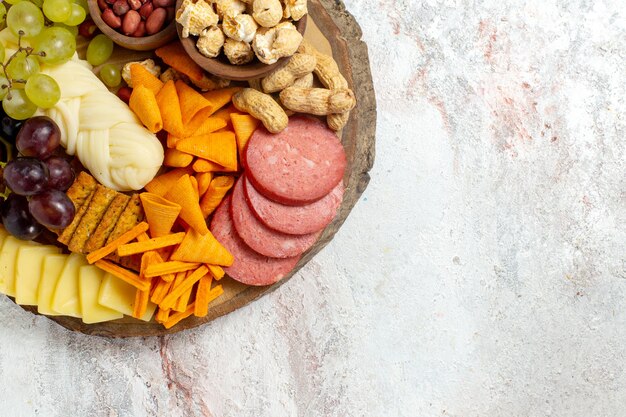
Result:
120,296
28,272
52,267
89,281
8,257
66,300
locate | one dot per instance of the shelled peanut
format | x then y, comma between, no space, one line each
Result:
137,18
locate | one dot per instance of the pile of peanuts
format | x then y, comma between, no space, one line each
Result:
137,18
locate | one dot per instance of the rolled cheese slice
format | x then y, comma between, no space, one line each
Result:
101,130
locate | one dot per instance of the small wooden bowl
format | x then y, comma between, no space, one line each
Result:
145,43
221,67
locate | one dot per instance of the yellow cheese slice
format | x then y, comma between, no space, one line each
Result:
28,272
8,257
66,300
52,268
120,296
89,281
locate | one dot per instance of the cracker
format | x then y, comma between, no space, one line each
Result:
107,224
98,206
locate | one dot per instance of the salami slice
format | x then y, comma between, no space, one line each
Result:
250,267
261,238
295,220
297,166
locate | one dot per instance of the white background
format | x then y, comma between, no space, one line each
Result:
481,274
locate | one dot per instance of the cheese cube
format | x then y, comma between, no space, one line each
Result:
120,296
89,281
66,299
8,258
51,271
28,272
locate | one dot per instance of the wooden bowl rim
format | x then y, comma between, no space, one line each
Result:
144,43
219,68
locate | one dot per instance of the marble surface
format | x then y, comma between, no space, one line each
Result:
481,274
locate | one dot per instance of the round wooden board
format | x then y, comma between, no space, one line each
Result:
358,137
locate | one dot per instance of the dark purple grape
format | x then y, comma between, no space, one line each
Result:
39,137
52,208
17,219
9,127
61,173
26,176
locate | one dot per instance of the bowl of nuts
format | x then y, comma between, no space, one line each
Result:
241,39
140,25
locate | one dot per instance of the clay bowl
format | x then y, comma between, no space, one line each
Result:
222,68
144,43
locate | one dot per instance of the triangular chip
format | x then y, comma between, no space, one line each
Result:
202,165
144,104
174,55
184,194
201,125
160,213
139,75
191,102
221,97
170,109
204,249
215,194
220,148
161,184
204,180
244,126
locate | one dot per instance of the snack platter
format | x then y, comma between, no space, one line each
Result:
208,218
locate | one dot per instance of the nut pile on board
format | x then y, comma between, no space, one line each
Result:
243,29
137,18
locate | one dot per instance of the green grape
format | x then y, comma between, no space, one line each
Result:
99,50
77,16
2,52
12,1
4,87
25,17
38,3
82,3
42,90
22,66
72,29
3,13
57,43
57,10
17,106
110,75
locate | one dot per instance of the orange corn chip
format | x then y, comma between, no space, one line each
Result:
202,249
202,165
161,290
172,140
150,245
220,98
161,184
143,103
203,310
183,300
244,126
220,148
217,271
202,295
162,316
169,105
194,184
140,76
123,274
169,267
224,114
180,289
191,102
174,55
141,303
113,245
160,213
177,159
213,197
176,318
204,180
183,194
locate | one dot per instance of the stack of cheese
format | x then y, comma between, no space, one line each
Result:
60,284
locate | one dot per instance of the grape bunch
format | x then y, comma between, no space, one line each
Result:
46,32
38,179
